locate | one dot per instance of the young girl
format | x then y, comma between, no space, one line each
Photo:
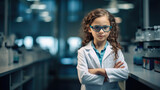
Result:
100,61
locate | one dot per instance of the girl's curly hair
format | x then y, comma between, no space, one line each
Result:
112,38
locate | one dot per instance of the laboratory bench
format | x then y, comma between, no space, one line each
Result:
149,78
32,75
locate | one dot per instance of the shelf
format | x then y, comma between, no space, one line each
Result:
16,86
27,79
29,85
28,72
15,79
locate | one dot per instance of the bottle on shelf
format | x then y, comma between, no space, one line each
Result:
149,34
149,57
16,53
139,34
157,32
137,58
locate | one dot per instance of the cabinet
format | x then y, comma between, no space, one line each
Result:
31,76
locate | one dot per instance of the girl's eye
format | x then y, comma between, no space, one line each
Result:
96,27
105,27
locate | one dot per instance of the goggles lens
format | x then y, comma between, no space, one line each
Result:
97,28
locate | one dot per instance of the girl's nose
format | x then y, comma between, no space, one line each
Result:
101,31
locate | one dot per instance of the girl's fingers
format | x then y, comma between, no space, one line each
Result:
118,64
122,67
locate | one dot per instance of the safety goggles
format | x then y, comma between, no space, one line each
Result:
97,28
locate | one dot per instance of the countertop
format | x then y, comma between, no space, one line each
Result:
150,78
147,77
11,68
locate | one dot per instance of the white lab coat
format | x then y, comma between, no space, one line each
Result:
87,59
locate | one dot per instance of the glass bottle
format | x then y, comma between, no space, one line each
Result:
149,34
138,34
157,33
138,55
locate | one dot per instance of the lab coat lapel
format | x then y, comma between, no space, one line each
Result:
94,57
107,51
92,54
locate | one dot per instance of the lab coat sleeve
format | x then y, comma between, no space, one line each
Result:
118,74
84,76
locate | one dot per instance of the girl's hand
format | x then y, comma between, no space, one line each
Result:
92,71
118,65
98,71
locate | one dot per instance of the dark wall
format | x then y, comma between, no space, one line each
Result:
130,18
2,15
154,12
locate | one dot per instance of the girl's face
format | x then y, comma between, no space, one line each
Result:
100,36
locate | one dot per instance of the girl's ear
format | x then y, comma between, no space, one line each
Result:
89,30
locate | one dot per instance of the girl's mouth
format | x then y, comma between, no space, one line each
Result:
100,35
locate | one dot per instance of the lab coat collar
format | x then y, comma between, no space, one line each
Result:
93,55
88,46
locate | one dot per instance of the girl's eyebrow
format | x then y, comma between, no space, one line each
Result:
99,22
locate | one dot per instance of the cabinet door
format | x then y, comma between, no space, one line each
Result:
4,83
16,79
